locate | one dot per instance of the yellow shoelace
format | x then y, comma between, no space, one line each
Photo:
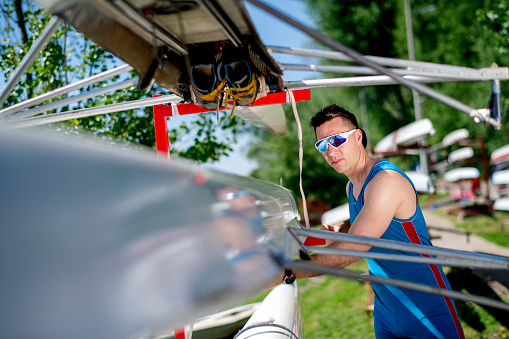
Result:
240,92
234,93
214,95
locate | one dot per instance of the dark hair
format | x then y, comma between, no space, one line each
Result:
334,111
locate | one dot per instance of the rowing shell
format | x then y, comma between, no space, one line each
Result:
500,155
335,215
461,154
464,173
422,182
406,136
278,317
500,177
101,241
455,136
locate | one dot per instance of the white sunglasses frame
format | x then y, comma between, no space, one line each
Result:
342,135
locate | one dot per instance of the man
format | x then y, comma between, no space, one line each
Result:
383,204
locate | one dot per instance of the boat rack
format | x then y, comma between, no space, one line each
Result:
440,256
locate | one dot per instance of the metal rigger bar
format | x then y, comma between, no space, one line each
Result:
474,113
397,257
456,259
67,101
375,80
477,76
309,267
87,112
488,73
64,90
475,259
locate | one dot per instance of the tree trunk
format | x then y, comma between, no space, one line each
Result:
24,36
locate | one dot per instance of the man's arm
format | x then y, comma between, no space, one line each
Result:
387,195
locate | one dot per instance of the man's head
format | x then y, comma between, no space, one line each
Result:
334,111
340,140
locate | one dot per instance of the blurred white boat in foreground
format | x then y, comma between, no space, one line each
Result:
99,242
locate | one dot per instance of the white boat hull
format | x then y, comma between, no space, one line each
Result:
501,204
500,177
500,155
455,136
335,215
405,136
422,182
461,154
278,317
464,173
100,242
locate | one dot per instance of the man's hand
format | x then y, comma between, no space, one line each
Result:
343,226
333,228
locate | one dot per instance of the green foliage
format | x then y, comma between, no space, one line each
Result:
496,17
457,33
47,71
69,57
207,145
493,329
363,24
463,33
370,28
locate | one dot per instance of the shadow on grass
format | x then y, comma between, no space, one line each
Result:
467,280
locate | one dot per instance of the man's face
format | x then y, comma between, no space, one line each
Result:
343,158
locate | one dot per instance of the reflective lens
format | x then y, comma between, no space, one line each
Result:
237,194
335,140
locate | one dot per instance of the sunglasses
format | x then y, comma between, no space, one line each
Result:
335,140
237,194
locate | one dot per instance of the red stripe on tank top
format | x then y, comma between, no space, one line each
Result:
411,233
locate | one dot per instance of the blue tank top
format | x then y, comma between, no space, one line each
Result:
407,311
412,230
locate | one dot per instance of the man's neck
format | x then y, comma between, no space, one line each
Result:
361,170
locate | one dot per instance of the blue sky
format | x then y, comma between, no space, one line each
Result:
274,32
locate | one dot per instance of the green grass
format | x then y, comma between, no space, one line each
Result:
335,308
487,226
493,327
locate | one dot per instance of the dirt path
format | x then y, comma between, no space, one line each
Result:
458,241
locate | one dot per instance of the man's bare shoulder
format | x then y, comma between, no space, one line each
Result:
390,181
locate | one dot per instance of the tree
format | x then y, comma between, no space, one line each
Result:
449,32
457,33
368,26
371,28
70,57
496,20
